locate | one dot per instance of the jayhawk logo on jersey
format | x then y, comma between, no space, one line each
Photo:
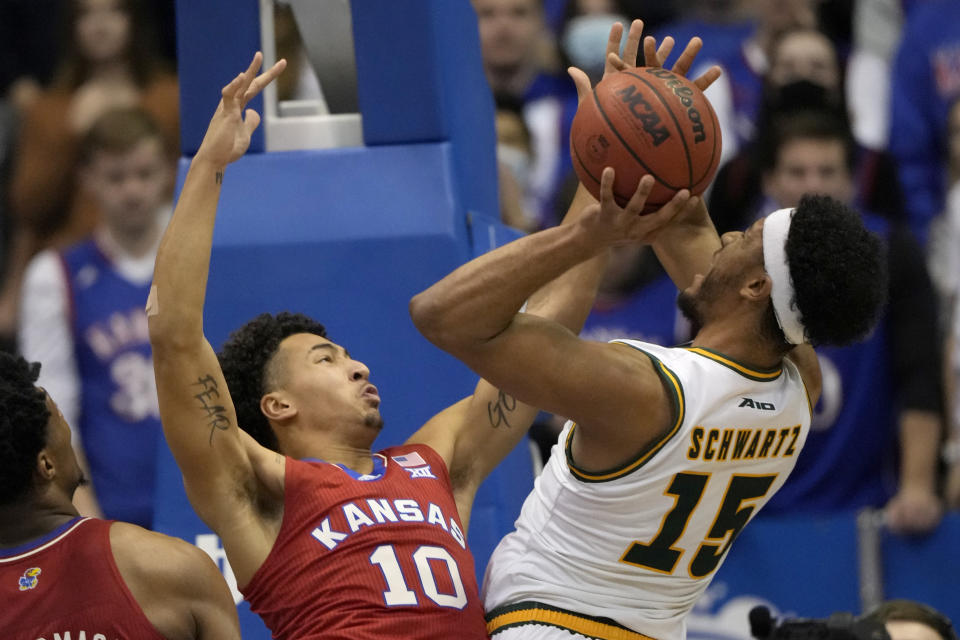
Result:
29,578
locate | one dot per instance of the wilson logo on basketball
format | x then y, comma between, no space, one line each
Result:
643,111
685,94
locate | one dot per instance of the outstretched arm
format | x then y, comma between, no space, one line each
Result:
198,417
479,431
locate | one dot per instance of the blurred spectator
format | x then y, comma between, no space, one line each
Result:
873,391
945,260
514,158
911,620
520,60
109,61
723,25
83,314
944,245
804,74
925,79
736,96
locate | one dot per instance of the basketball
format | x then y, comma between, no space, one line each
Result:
646,120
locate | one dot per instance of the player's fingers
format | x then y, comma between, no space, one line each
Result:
687,56
679,202
613,42
632,47
230,91
606,187
251,73
251,121
650,52
580,81
264,79
639,198
616,63
708,77
663,51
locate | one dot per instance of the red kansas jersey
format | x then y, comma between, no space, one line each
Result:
67,585
373,556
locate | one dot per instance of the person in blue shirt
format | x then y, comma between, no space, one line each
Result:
82,315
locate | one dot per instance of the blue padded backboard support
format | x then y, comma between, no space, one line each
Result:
349,235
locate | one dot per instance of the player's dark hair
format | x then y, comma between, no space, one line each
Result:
245,359
912,611
24,417
838,269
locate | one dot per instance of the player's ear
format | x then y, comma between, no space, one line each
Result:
45,465
277,406
757,286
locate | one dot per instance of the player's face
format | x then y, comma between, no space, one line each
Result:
102,29
130,187
809,166
328,387
509,31
68,473
804,55
740,254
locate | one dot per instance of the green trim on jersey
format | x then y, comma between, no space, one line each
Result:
760,375
676,393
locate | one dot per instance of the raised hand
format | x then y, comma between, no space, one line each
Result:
613,62
229,131
611,224
655,57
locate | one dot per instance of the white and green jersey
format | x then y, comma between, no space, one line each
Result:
626,552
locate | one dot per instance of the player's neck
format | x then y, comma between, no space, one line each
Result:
25,521
744,347
356,458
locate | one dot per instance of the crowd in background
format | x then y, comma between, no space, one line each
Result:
856,99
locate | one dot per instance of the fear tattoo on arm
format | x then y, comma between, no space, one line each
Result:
214,413
499,410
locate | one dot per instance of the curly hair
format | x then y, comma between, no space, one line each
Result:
245,359
24,417
838,269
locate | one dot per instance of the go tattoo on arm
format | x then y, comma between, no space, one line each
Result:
499,411
219,177
214,413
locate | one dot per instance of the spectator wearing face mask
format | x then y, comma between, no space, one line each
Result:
804,74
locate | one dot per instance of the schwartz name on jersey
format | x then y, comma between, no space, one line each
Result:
626,552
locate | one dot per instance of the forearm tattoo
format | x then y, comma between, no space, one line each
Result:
214,413
499,410
219,177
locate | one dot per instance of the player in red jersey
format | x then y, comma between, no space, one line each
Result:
62,575
324,537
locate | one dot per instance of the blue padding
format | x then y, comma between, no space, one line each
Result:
803,566
926,568
420,77
216,40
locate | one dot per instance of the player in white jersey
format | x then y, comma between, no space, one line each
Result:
669,452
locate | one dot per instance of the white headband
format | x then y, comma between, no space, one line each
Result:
775,230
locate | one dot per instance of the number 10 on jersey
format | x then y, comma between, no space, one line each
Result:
398,594
687,488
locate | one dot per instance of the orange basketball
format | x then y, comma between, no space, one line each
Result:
646,120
